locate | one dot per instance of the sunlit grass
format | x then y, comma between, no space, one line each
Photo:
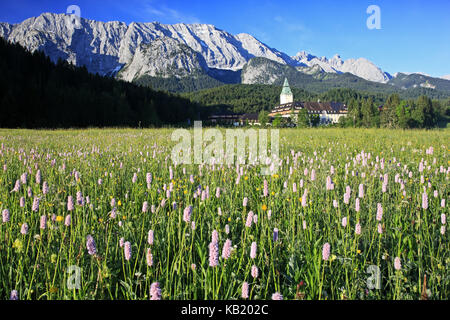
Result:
35,264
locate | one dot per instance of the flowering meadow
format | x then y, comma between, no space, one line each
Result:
106,214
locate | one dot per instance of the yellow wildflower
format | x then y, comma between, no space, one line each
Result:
18,245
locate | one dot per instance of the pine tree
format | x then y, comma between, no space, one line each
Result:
276,123
303,118
425,114
388,117
263,117
403,114
368,113
355,112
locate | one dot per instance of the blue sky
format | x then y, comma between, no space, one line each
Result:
414,35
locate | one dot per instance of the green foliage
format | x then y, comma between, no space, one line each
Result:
276,123
241,98
37,263
388,118
403,113
303,119
36,93
369,113
419,80
314,119
323,82
345,122
263,117
178,85
395,113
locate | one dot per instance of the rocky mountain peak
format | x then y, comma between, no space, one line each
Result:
106,47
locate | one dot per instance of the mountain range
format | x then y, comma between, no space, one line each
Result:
150,53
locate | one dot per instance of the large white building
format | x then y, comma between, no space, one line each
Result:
329,112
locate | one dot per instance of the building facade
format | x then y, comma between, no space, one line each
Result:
328,112
235,119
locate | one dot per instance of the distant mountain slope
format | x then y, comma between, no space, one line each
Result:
105,47
415,80
361,67
179,61
265,71
185,57
181,70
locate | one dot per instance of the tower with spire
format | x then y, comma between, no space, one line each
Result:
286,95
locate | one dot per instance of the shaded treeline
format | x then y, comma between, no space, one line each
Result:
36,93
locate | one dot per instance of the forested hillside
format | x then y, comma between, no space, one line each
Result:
36,93
365,109
178,85
246,98
265,71
242,98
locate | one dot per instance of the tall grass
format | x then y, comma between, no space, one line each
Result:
36,264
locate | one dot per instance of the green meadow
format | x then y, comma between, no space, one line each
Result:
140,222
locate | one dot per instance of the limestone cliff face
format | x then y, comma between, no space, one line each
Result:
262,71
106,47
361,67
179,61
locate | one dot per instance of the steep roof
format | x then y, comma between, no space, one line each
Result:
286,88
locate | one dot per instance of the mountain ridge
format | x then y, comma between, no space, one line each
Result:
115,48
113,44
